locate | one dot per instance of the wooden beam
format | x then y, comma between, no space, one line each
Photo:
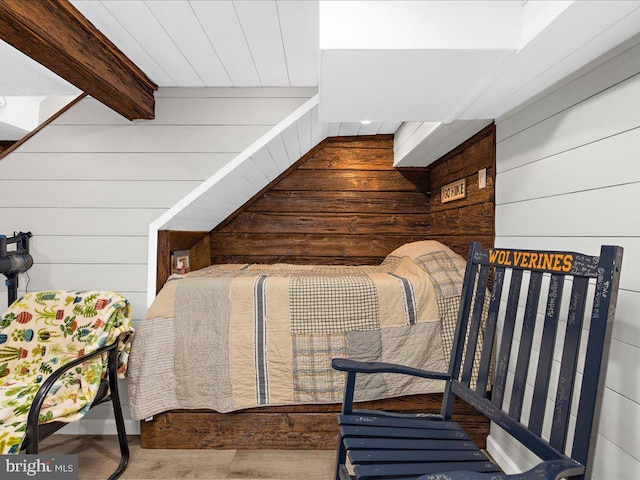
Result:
58,36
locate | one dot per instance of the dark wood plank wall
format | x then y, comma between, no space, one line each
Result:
169,240
293,427
344,203
460,222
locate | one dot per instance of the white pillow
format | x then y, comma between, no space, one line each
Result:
414,250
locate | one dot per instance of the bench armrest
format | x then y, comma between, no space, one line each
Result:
346,365
550,470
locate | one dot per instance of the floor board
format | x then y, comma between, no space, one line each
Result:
98,456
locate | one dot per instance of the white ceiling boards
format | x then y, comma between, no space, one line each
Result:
383,61
442,61
204,43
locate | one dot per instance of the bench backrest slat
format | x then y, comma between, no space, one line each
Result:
526,343
489,332
603,312
474,328
457,348
568,364
502,362
551,354
545,359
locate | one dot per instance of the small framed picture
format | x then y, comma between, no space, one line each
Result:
180,261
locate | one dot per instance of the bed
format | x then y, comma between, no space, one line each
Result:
233,337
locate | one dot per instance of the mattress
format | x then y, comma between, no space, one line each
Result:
230,337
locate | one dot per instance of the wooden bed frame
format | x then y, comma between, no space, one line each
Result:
348,180
296,427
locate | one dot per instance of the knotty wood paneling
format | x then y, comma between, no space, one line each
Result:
343,203
354,158
340,202
200,253
306,427
169,240
314,245
353,180
163,269
371,141
460,222
330,223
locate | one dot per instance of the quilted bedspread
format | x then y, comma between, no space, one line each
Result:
229,337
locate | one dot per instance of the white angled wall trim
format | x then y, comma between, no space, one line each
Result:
209,186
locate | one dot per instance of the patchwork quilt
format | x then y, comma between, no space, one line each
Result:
230,337
39,333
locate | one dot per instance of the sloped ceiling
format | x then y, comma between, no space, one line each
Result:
381,60
448,61
214,43
384,61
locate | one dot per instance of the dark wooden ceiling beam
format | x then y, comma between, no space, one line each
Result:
58,36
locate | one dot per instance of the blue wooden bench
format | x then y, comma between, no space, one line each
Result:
514,394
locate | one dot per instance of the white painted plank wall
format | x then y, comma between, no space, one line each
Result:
89,185
568,178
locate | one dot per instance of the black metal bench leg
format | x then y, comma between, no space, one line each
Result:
342,457
117,411
32,443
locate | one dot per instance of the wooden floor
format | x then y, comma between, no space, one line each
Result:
98,456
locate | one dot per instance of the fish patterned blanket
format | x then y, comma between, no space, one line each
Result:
230,337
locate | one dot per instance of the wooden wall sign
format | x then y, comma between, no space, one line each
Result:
453,191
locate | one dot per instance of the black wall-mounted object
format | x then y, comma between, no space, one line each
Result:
15,260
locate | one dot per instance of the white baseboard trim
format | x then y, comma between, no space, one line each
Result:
504,461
